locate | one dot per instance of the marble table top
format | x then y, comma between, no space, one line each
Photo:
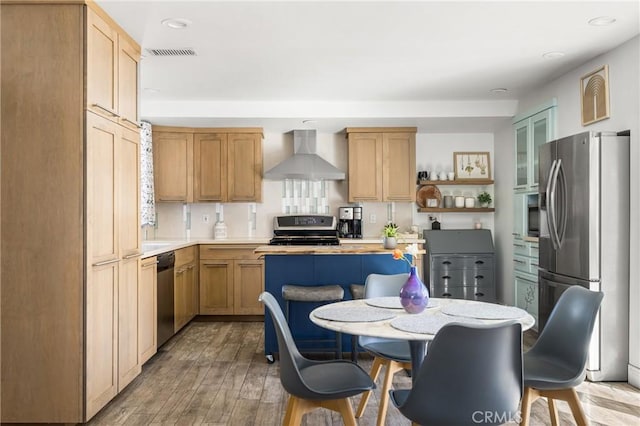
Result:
384,328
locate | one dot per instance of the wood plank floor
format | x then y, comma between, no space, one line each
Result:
215,373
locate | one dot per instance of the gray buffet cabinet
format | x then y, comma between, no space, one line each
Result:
460,264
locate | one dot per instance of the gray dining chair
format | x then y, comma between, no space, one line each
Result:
392,354
556,363
313,384
472,374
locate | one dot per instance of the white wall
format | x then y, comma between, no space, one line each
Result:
624,84
434,153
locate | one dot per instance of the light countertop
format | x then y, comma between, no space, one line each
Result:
341,249
347,245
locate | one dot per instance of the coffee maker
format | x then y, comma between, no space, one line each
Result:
350,222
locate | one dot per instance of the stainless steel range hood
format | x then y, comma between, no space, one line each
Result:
305,163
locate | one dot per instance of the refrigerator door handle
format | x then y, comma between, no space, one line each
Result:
551,217
553,205
561,225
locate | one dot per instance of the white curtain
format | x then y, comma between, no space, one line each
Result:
148,204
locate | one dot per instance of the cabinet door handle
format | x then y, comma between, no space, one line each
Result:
446,294
107,110
131,256
446,277
480,294
479,262
130,122
106,262
446,262
519,261
479,277
535,264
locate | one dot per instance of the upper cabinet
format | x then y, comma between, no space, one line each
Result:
382,163
530,133
200,165
112,71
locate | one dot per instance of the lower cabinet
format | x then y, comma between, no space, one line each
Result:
527,294
231,279
112,330
148,310
525,272
185,286
101,337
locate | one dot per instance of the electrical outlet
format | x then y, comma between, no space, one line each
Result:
372,218
206,218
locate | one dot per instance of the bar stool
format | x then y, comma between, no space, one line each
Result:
357,292
314,294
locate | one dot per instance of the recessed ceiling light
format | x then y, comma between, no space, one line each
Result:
309,121
499,90
176,23
601,21
553,55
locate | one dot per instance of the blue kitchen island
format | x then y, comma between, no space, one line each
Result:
314,266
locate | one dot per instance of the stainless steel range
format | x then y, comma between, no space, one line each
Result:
305,230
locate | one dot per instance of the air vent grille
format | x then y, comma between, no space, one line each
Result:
172,52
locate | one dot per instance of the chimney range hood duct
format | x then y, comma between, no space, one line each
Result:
305,163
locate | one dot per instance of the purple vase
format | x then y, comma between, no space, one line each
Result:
414,295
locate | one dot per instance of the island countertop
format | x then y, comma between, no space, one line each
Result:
339,249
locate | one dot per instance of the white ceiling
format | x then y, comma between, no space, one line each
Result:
356,63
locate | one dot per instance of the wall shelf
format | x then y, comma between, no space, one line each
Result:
457,182
456,210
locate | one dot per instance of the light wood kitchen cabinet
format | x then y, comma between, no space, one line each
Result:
148,310
208,164
231,279
112,70
186,287
216,287
113,174
248,283
173,166
244,167
81,163
382,164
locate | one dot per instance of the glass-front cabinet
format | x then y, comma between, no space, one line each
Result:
530,133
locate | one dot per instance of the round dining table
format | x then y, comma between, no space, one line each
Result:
384,317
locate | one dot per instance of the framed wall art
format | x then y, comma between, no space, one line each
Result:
594,95
472,165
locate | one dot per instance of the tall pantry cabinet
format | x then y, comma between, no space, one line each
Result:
70,253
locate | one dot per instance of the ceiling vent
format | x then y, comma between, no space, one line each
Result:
172,52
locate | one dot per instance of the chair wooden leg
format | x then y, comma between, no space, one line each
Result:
392,368
375,371
571,397
529,396
576,407
553,412
296,409
342,406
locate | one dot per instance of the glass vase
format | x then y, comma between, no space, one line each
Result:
414,295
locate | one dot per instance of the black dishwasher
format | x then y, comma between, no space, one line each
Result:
165,297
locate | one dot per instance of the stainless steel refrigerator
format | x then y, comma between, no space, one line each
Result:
584,238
